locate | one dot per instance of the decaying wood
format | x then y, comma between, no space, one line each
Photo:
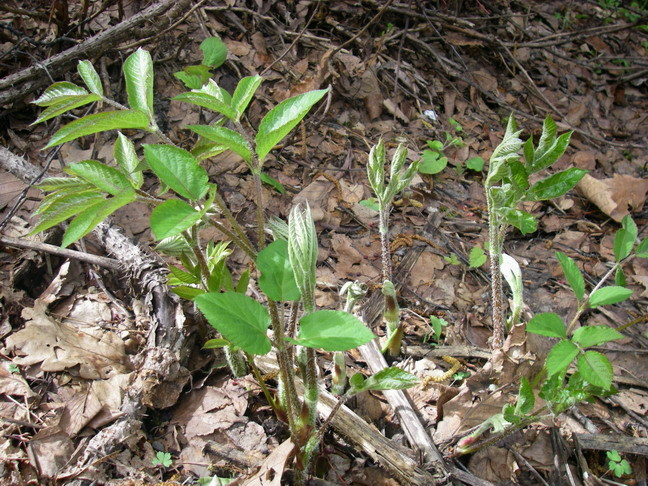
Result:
160,375
155,18
620,443
345,422
62,252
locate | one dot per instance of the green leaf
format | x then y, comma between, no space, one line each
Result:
432,162
61,107
272,182
240,319
193,77
549,149
59,93
182,276
624,239
619,277
572,274
560,357
392,378
57,183
172,217
588,336
596,369
525,222
277,279
371,203
477,257
642,249
332,331
279,121
99,122
178,169
216,343
65,207
525,400
90,77
435,145
609,295
88,219
126,157
555,185
226,137
244,92
104,177
138,73
475,163
186,292
547,324
212,97
214,52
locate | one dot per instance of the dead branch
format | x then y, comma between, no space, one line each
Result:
158,16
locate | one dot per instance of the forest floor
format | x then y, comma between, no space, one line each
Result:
73,335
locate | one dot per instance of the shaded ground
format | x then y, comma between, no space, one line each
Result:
400,71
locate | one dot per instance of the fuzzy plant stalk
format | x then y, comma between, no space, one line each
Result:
507,185
385,191
302,252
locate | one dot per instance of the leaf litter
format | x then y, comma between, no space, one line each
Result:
384,80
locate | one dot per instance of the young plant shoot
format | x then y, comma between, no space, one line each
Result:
399,178
188,201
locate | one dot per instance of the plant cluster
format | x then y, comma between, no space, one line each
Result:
187,201
572,373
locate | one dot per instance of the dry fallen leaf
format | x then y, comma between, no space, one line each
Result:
273,467
99,354
615,196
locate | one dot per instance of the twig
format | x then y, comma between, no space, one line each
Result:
62,252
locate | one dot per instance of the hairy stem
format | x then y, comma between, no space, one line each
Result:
496,237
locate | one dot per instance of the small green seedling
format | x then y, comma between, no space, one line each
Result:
620,467
214,55
162,459
437,324
476,257
434,160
